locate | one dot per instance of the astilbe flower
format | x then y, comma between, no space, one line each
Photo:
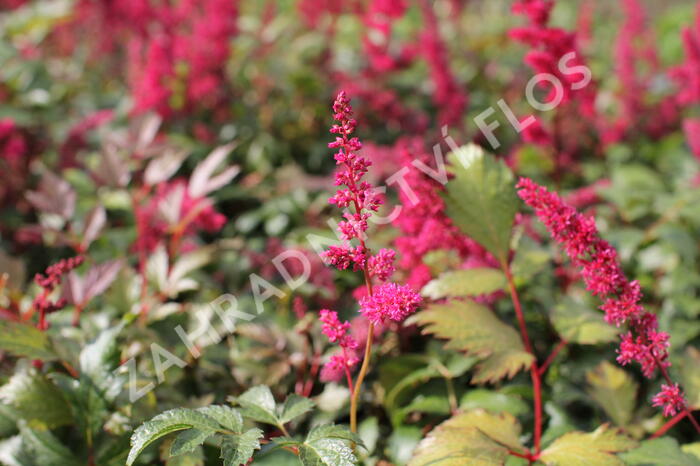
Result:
378,20
603,276
448,96
670,398
337,332
549,45
359,199
48,281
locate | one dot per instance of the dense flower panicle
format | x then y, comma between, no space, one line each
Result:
670,398
337,332
449,97
390,302
378,20
381,265
643,343
357,196
549,45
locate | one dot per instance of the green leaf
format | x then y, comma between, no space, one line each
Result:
328,445
614,391
187,441
14,453
475,438
36,400
481,199
469,282
587,449
258,404
164,424
494,402
664,450
295,406
238,449
475,329
228,417
579,324
693,449
45,449
690,376
24,340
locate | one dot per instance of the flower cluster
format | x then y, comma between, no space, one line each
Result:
358,197
671,398
48,281
356,192
449,97
604,278
390,302
337,332
549,45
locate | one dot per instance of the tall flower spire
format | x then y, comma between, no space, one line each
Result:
603,276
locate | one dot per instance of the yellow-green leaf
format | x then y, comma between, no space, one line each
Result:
469,282
595,448
614,391
579,324
475,438
475,329
24,340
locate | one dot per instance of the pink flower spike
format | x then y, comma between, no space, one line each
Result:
390,301
670,398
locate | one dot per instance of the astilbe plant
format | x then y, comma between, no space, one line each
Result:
387,301
601,272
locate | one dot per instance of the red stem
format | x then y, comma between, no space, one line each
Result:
670,423
534,370
552,355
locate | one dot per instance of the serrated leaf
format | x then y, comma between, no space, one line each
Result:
469,282
614,391
481,198
237,450
24,340
659,451
294,406
328,445
475,329
587,449
189,440
579,324
165,423
45,449
258,404
228,417
36,400
474,438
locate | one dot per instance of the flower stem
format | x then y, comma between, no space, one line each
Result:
552,355
670,423
534,369
361,378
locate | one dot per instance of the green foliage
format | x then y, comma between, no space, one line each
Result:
258,404
579,324
481,199
474,328
585,449
325,445
474,437
664,450
613,390
36,399
24,340
469,282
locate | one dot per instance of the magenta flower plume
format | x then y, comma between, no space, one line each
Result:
670,398
601,272
390,301
337,332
